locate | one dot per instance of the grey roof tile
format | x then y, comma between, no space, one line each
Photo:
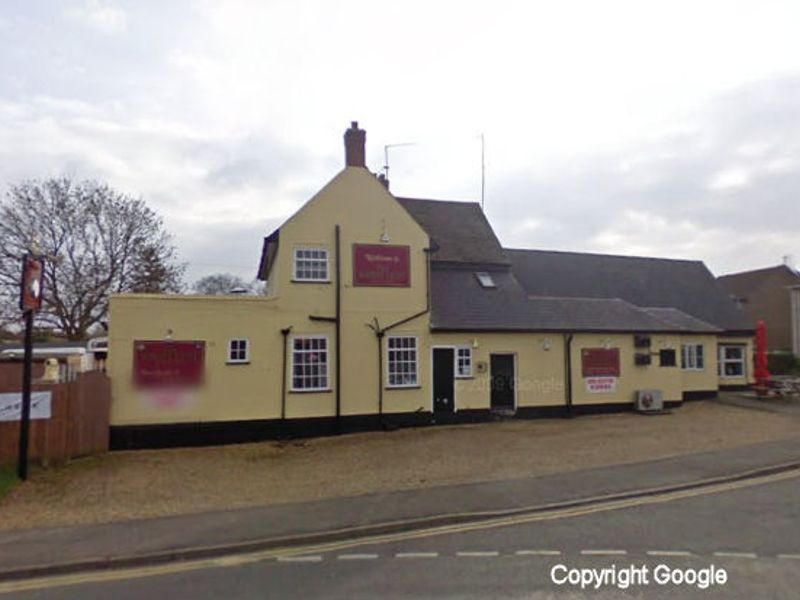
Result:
648,282
459,231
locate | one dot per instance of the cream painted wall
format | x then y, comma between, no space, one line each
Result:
632,377
706,379
539,371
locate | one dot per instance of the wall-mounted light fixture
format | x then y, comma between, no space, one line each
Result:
474,342
169,335
546,344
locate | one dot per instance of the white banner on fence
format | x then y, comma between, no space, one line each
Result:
11,406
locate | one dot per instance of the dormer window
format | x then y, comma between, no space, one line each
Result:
485,279
311,264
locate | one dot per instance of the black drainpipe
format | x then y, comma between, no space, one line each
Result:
568,368
285,333
380,332
379,336
338,330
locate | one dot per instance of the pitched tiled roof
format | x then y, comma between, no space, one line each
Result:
459,302
459,231
678,318
646,282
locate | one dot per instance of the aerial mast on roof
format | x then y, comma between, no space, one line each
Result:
386,155
483,170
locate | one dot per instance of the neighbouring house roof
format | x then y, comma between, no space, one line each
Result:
685,285
746,282
460,303
459,231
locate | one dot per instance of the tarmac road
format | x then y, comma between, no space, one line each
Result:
753,533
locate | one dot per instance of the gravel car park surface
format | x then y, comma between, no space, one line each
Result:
151,483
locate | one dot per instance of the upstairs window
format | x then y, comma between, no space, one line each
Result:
402,361
311,264
464,362
485,279
238,351
692,358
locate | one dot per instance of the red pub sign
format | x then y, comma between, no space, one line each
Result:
599,362
168,364
381,265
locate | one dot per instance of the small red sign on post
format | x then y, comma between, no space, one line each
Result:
380,265
30,298
600,362
160,364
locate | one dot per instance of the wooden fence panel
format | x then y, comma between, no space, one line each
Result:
79,423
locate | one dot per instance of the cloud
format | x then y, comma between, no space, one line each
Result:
98,15
722,188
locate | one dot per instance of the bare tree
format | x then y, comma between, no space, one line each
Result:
96,242
220,284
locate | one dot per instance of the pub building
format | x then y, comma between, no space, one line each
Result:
382,311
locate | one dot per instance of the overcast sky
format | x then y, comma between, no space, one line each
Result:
659,128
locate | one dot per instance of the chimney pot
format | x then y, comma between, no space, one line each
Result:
355,141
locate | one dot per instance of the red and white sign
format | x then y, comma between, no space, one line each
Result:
162,364
31,292
600,362
601,385
381,265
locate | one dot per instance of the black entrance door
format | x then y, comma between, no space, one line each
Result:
443,382
502,371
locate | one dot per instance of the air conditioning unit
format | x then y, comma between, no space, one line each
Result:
649,400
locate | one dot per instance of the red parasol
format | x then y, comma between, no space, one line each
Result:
762,371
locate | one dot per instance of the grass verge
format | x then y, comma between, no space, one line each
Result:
8,479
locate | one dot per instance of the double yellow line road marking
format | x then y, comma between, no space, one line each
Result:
236,560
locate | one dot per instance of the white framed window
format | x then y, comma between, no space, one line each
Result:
310,363
402,361
238,351
311,264
692,357
464,361
731,361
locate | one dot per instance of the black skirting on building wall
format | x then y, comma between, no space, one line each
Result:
699,395
174,435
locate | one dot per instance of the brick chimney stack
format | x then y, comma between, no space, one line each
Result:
355,141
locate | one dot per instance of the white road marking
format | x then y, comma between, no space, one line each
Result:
604,552
478,553
538,552
789,556
736,554
416,555
357,556
307,558
668,553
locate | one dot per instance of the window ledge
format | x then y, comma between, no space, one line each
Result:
237,362
311,280
402,387
323,391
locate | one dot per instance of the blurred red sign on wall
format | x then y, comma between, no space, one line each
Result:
380,265
599,362
168,363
